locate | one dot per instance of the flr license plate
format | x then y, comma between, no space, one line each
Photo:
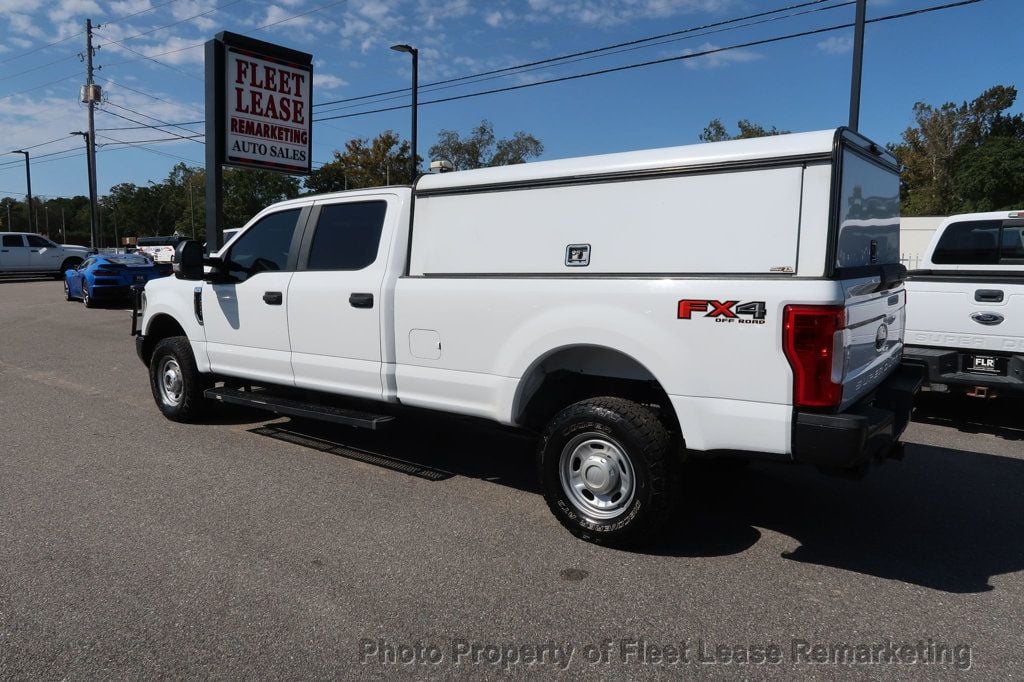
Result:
985,364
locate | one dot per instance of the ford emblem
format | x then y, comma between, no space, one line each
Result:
989,319
881,336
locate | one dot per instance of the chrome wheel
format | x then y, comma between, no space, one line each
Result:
67,291
170,381
597,476
85,295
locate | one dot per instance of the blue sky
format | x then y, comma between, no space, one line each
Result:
800,84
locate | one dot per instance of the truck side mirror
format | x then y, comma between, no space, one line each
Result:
187,262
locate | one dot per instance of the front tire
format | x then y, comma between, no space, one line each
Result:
176,383
67,291
606,471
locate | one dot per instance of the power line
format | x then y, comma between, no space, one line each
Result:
134,120
327,5
37,87
604,52
40,66
153,151
41,47
152,59
665,60
118,84
551,60
182,21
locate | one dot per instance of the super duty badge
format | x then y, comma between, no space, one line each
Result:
752,312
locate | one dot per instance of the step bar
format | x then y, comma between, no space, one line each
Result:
296,408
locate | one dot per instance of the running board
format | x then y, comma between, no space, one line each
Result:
296,408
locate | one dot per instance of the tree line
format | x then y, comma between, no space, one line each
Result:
177,204
956,158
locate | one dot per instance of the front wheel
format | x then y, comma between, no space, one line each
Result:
606,471
176,383
67,291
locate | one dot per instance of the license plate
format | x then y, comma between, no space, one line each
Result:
985,364
140,278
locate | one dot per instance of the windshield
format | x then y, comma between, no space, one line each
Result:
128,259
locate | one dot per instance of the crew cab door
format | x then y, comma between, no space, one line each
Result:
43,255
972,295
335,306
246,320
13,253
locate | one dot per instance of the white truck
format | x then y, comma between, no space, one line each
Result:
28,253
735,299
965,320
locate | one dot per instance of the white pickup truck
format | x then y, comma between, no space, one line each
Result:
735,299
28,253
965,319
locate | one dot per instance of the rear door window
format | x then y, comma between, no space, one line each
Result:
347,236
12,240
980,242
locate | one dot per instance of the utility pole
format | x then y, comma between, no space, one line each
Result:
63,232
91,94
46,212
858,64
28,187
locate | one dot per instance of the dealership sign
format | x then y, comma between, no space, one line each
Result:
265,94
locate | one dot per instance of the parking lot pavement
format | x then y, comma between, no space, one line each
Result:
132,546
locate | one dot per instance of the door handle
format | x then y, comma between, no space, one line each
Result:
361,300
5,250
273,297
34,251
988,296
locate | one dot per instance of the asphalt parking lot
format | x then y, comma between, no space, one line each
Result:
131,546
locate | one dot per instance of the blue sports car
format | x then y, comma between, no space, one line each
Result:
109,277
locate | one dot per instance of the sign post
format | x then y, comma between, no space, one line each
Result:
259,99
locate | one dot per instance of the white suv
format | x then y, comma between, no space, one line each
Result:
24,252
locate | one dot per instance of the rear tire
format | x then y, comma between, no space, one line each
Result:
607,471
176,383
87,300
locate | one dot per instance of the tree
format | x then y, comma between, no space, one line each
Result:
249,191
950,144
715,131
480,148
991,177
383,161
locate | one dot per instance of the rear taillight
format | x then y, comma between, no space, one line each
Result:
106,273
809,340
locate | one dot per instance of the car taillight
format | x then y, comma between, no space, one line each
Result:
809,339
105,273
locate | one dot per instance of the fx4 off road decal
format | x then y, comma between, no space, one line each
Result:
752,312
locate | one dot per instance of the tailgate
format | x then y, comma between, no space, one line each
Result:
952,312
873,338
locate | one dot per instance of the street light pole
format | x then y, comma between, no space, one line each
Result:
413,166
858,65
28,187
94,221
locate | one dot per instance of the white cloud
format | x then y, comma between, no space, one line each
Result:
718,59
836,45
130,6
326,81
612,12
66,9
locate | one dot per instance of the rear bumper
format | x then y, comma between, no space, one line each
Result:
868,430
946,366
